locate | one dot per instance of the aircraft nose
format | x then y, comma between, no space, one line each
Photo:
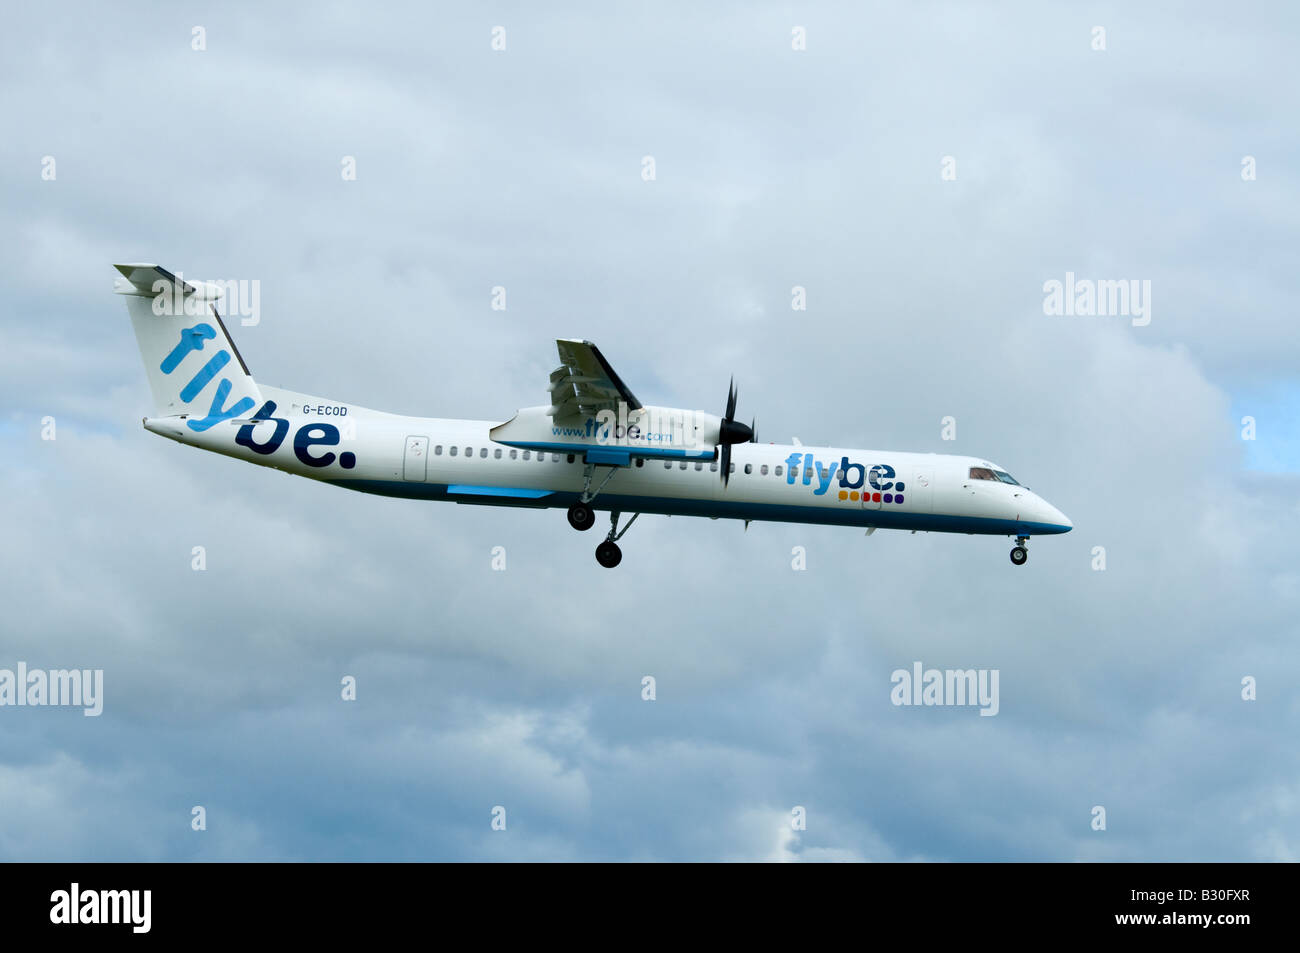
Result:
1058,519
1046,518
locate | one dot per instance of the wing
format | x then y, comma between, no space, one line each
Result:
584,383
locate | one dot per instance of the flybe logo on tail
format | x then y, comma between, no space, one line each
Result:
193,339
856,480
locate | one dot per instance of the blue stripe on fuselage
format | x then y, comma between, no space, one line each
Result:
723,509
468,489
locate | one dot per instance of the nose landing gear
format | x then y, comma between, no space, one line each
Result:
1020,554
607,553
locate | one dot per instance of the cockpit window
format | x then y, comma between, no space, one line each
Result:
988,473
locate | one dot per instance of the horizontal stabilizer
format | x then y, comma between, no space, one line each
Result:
152,280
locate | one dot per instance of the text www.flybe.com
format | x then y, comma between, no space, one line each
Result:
631,434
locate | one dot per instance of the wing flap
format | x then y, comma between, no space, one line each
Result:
585,383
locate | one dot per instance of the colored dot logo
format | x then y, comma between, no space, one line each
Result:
872,482
871,497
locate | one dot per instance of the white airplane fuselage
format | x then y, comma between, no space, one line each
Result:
594,447
433,458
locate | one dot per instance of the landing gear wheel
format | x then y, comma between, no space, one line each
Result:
581,516
1019,555
608,554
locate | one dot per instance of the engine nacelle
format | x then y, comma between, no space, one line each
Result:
663,432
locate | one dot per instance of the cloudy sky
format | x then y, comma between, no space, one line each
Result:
774,168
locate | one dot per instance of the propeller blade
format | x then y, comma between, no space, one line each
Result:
731,432
753,430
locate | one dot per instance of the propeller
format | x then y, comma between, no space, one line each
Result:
731,432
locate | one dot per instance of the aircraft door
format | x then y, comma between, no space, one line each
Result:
919,497
415,462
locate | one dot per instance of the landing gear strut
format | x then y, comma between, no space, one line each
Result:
607,553
581,516
1020,555
587,473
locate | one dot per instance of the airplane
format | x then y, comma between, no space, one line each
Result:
593,446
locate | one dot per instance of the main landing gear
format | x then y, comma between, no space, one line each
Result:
581,515
1020,555
607,553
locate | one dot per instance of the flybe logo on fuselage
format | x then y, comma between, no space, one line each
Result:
308,435
193,339
856,480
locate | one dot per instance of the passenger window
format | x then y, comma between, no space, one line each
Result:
453,450
528,454
683,464
437,451
778,469
749,468
668,464
794,473
483,453
555,458
514,454
497,453
640,461
714,466
469,451
733,469
763,470
698,466
822,472
571,459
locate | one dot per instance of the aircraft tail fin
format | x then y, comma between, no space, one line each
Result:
194,369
